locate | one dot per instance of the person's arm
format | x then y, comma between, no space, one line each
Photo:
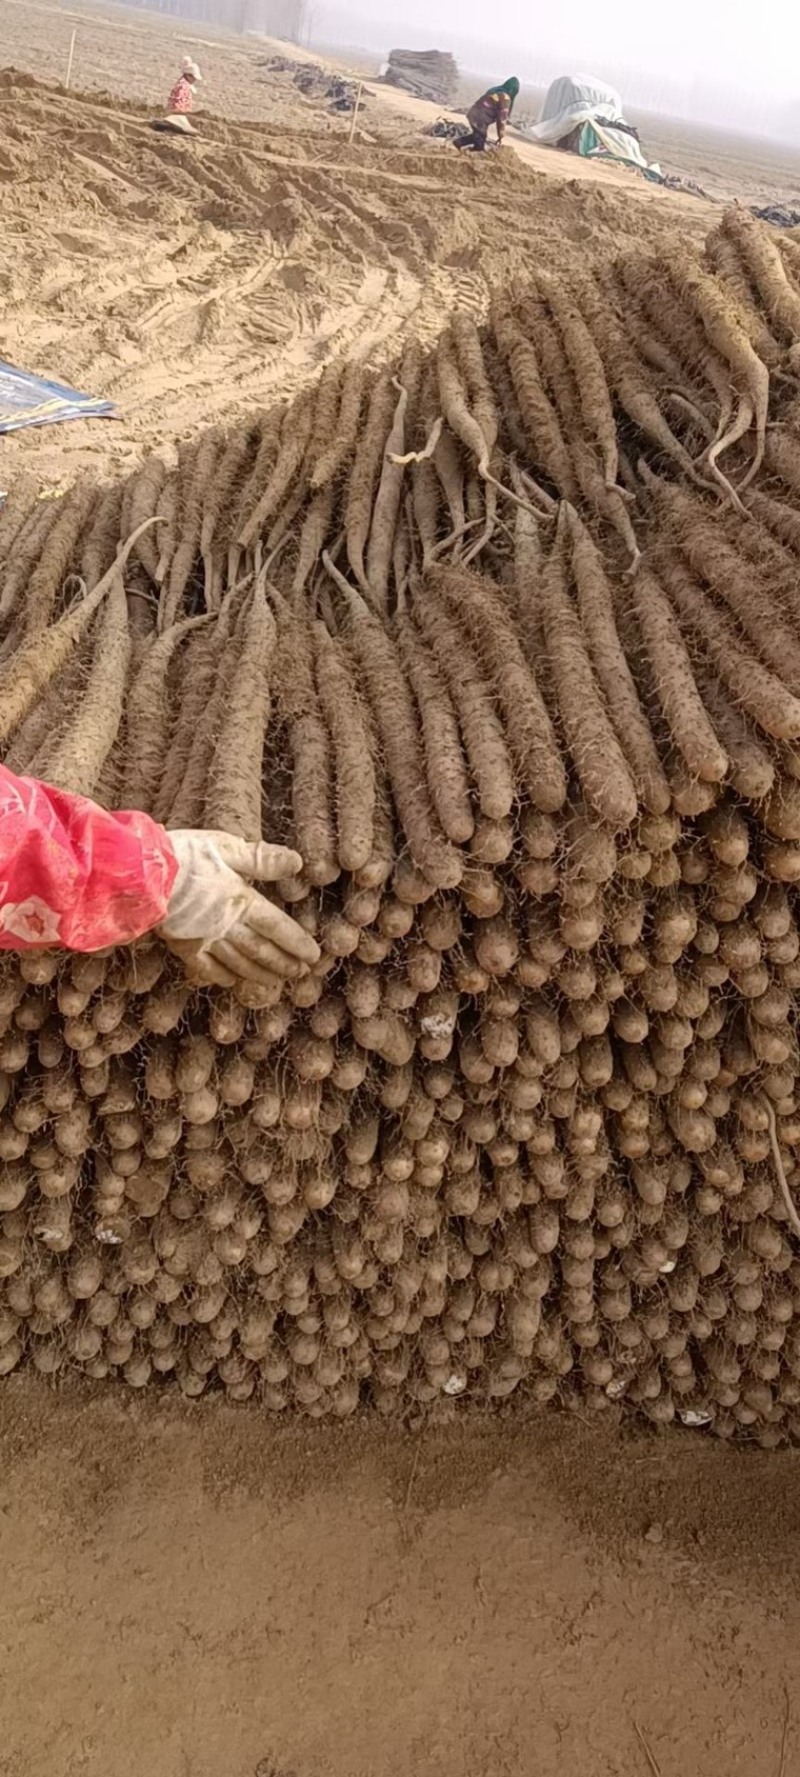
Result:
74,877
503,114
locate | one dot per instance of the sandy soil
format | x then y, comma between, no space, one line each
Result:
193,1593
191,280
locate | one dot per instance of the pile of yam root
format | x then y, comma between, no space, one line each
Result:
505,639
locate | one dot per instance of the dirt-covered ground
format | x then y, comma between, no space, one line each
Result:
191,281
202,1593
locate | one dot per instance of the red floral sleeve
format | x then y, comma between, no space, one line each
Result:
72,876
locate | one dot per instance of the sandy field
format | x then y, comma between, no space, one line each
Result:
188,281
191,281
196,1591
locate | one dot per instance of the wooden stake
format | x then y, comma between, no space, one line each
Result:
355,114
71,58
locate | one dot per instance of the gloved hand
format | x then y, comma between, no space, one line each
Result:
223,930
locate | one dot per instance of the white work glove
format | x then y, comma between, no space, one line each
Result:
223,930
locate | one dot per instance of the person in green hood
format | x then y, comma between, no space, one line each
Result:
494,107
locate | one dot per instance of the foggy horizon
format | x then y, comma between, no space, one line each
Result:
704,64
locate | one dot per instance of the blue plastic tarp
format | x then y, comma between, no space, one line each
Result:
27,400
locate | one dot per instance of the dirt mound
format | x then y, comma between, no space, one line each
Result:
189,280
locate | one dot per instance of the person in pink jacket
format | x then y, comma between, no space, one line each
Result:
181,99
75,877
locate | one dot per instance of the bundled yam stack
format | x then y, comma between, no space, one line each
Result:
504,639
428,74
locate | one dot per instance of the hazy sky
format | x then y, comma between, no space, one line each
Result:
715,58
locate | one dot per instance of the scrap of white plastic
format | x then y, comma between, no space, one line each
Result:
455,1385
694,1418
669,1266
616,1387
437,1025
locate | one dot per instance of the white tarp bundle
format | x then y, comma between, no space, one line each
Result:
577,99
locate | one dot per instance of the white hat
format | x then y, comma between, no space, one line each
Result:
191,68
